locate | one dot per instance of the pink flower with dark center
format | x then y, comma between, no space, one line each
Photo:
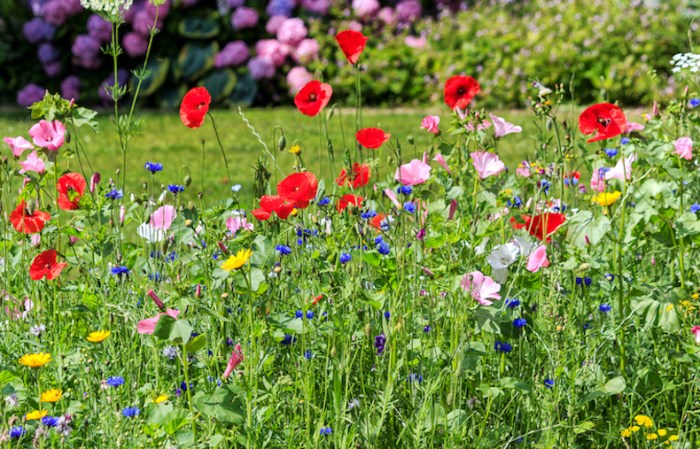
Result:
49,135
481,288
487,164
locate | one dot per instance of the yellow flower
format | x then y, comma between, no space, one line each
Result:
36,414
98,336
35,360
643,420
52,395
237,261
673,438
652,436
161,398
695,296
296,149
294,212
626,433
662,432
634,429
606,198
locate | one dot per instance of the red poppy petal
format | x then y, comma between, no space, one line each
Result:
352,43
194,107
313,97
372,138
460,90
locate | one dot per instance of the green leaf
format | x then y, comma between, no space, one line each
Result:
6,377
198,27
196,343
245,91
614,386
164,327
180,331
583,226
222,404
195,59
220,84
157,72
485,318
372,258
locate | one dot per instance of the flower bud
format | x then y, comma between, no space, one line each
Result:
282,143
188,180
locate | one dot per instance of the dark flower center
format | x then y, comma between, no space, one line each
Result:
200,105
604,121
312,97
461,91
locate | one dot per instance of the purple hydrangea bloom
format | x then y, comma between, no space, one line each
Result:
365,8
280,8
306,51
244,17
99,28
72,7
86,51
235,3
52,68
36,30
408,10
55,12
30,94
316,6
273,25
273,50
48,53
387,15
106,95
297,78
232,55
143,21
163,10
261,68
70,88
292,31
135,44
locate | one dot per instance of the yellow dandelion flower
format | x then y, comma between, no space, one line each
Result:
237,261
296,149
606,198
35,361
294,212
98,336
626,433
673,438
669,307
36,414
662,432
652,436
643,420
634,429
695,296
52,395
161,398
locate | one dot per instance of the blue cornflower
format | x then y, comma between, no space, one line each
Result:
520,323
131,412
427,328
611,152
155,277
544,185
694,102
415,378
175,189
184,386
172,255
379,343
308,354
326,431
309,315
515,202
387,314
625,140
49,421
383,248
236,188
115,381
345,258
384,225
512,303
325,201
586,326
114,194
549,383
119,270
502,346
153,167
17,432
379,239
695,208
586,281
605,308
368,214
284,250
299,314
409,207
288,340
610,277
405,190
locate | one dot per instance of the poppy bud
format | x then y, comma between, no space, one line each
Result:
223,247
156,299
188,180
282,143
411,140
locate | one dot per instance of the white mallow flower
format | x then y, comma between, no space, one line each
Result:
503,256
150,233
525,245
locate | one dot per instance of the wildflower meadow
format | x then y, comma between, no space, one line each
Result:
457,300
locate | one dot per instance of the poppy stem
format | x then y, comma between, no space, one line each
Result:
221,146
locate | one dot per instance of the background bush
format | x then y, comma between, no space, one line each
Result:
603,49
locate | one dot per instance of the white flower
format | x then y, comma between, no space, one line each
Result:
525,245
150,233
112,10
503,256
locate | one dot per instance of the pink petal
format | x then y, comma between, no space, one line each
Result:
392,196
537,259
440,159
235,359
163,217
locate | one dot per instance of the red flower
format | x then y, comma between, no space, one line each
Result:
347,200
359,176
275,203
372,138
376,221
261,214
460,90
194,107
313,97
71,187
28,222
604,119
45,265
298,188
541,226
352,43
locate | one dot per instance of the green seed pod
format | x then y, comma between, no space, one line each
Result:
188,180
282,143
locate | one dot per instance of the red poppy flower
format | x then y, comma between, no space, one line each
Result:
71,187
298,188
194,107
275,203
376,221
347,200
372,138
460,90
313,97
28,222
604,119
261,214
45,265
541,226
359,176
352,43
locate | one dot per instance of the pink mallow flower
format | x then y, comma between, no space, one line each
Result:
148,325
633,127
235,360
163,217
49,135
487,164
684,148
696,332
430,123
501,127
234,223
480,287
620,171
440,159
537,259
18,145
414,173
33,163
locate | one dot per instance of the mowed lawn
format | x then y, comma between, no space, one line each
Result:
163,138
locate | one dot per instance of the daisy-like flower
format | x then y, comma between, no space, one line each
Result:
237,261
52,395
98,336
606,198
35,361
36,414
